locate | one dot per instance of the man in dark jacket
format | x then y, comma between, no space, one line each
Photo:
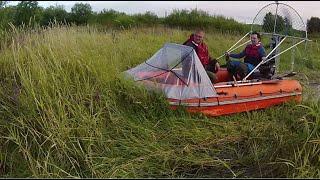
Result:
210,65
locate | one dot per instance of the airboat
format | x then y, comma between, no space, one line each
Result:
176,70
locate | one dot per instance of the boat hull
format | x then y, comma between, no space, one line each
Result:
236,98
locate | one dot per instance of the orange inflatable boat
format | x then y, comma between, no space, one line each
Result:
241,97
176,71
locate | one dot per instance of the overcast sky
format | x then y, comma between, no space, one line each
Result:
242,11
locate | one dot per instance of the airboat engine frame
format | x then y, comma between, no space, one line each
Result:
279,38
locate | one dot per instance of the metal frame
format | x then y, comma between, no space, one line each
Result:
230,49
277,3
305,39
281,35
275,34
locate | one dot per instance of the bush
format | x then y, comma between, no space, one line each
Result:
313,25
198,18
54,13
7,16
81,13
124,21
147,19
28,13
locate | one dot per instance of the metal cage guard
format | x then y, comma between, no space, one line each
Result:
274,33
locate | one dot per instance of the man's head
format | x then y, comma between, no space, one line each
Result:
255,38
198,36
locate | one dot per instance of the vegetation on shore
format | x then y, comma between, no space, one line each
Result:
66,111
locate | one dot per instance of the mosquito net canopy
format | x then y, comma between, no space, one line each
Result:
176,71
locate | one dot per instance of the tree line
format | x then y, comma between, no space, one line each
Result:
29,13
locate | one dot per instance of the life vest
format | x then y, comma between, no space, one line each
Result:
201,50
252,54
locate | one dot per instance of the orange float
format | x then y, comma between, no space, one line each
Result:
241,97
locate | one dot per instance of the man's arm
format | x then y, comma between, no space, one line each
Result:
238,56
262,53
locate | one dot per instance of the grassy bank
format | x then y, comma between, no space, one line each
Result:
66,112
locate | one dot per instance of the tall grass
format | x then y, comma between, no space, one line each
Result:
66,111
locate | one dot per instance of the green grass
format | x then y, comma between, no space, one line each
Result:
66,111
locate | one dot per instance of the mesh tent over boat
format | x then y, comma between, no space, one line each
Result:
176,71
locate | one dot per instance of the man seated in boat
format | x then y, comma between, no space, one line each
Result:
253,54
210,65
